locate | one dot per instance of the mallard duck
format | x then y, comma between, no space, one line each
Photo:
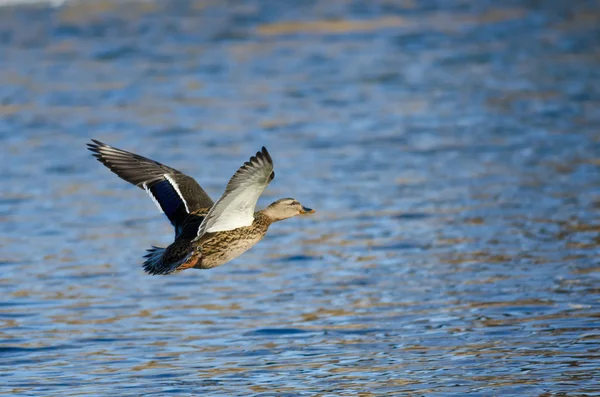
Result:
207,234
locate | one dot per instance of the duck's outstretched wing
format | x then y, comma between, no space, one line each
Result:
236,206
174,193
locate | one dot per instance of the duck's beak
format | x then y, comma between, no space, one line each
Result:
305,210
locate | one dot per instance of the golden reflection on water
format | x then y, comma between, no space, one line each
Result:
436,21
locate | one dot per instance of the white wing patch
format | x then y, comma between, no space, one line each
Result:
176,187
236,212
145,185
236,206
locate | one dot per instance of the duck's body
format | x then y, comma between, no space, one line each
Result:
221,247
211,250
207,234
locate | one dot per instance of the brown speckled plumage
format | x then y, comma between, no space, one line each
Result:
221,247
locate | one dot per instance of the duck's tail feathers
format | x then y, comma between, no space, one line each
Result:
157,263
154,264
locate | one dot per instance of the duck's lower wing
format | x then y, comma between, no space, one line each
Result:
176,257
175,193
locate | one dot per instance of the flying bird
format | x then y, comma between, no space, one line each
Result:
207,234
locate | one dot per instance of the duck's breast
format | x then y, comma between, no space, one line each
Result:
222,247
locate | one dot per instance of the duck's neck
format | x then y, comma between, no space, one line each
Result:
268,215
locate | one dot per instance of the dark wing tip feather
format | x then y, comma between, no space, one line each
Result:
265,154
93,147
96,145
96,148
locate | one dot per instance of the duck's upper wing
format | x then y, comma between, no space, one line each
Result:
236,206
175,193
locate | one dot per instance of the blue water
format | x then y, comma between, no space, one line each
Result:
451,150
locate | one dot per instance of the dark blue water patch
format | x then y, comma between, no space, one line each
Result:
230,35
17,315
466,59
86,276
329,102
579,44
398,247
116,53
63,169
8,341
13,200
23,302
211,69
136,222
18,350
87,341
295,93
509,30
245,271
65,30
8,262
384,78
277,331
357,282
322,143
46,386
186,386
178,282
6,37
299,258
365,331
171,391
473,149
250,353
288,128
412,216
105,307
162,375
174,131
415,42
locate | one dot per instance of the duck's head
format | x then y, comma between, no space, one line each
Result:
286,208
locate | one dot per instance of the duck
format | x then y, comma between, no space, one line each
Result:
207,234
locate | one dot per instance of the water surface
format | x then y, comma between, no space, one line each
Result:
451,150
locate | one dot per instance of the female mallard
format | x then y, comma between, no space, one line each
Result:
207,234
